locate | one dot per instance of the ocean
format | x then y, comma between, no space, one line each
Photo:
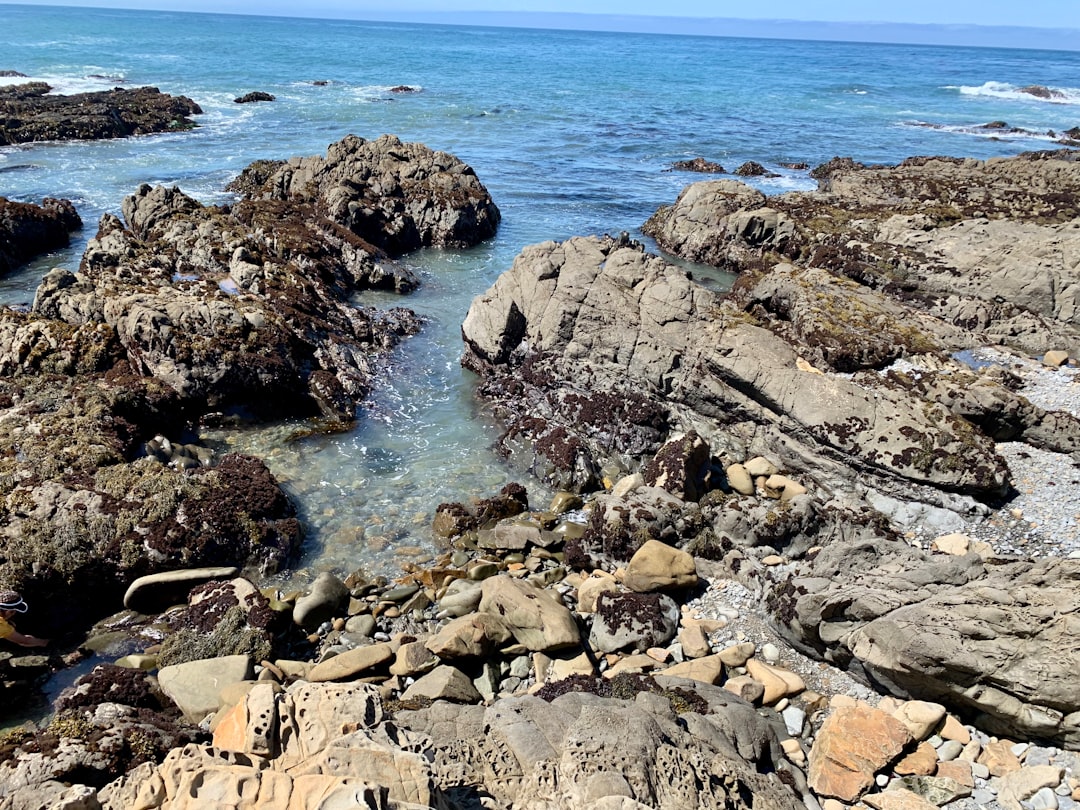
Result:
572,132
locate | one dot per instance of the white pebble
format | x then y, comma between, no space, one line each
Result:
1044,799
770,653
882,780
1020,749
794,719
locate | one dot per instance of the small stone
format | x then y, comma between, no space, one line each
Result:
794,720
978,770
955,730
957,770
778,682
694,641
761,466
949,750
999,758
740,480
745,687
852,745
709,669
590,589
782,487
351,663
1044,799
770,653
657,566
444,683
955,544
920,717
897,800
1020,785
937,790
1055,358
772,559
737,655
922,761
627,484
362,625
794,752
882,780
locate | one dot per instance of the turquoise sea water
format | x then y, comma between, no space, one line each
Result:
573,133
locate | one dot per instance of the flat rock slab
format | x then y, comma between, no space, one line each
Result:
195,686
851,747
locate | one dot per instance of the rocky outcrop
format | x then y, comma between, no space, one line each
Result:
184,313
575,321
398,196
30,112
987,246
991,641
254,96
28,230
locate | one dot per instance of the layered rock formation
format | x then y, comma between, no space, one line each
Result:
594,353
30,112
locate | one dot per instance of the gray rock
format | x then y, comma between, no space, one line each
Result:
326,600
444,683
630,621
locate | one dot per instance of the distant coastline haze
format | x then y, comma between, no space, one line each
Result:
1040,24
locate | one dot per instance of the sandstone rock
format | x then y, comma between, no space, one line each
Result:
1055,357
958,770
633,621
351,663
851,747
627,484
590,589
938,790
694,641
194,686
413,658
737,654
564,667
1020,785
759,466
462,596
739,479
898,799
783,488
443,683
954,543
472,635
953,729
708,669
745,687
923,761
921,718
778,682
657,566
536,618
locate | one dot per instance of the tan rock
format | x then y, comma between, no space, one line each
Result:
694,642
889,704
709,669
793,751
920,717
657,566
953,729
1016,786
804,365
250,726
833,804
745,687
659,654
956,544
778,682
957,770
771,560
536,618
195,686
475,634
852,745
444,683
351,664
900,799
739,479
590,589
922,761
782,487
1055,358
627,484
737,654
563,668
639,662
413,658
999,758
760,466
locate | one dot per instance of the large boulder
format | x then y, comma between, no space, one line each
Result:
398,196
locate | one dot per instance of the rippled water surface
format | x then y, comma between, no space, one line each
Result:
573,133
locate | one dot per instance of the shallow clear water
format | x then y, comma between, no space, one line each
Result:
573,133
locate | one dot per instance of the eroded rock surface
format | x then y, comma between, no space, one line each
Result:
28,230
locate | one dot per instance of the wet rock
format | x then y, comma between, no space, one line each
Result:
28,230
753,169
157,592
32,113
698,164
257,95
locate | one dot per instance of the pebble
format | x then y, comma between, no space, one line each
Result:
794,720
1044,799
770,653
949,750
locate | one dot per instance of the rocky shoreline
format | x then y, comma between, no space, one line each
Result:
784,569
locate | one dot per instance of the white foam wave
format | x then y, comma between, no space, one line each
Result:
1013,92
67,85
992,133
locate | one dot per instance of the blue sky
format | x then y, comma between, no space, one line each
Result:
1059,20
1030,13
